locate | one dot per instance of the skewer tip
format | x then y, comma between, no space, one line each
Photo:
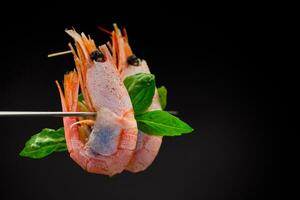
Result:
59,53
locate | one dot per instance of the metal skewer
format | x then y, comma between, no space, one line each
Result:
45,114
52,114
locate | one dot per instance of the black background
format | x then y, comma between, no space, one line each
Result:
213,68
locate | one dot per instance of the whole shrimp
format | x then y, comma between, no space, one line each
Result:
128,64
106,144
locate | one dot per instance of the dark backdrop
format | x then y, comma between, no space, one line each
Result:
213,69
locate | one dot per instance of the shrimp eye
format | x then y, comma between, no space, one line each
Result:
133,60
97,56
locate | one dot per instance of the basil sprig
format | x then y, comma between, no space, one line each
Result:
161,123
44,143
141,91
162,93
141,88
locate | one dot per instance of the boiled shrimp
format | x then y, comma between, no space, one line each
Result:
104,145
128,64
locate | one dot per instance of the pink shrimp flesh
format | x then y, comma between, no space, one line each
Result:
109,146
147,145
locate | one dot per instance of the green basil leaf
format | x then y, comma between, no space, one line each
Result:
44,143
61,147
141,88
162,93
80,97
161,123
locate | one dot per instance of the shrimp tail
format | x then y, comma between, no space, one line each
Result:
69,101
69,98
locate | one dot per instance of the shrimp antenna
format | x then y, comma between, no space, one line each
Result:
125,34
104,30
59,53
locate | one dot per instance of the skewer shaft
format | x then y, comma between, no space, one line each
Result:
45,114
52,114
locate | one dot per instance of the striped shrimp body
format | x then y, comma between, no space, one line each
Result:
128,64
106,144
